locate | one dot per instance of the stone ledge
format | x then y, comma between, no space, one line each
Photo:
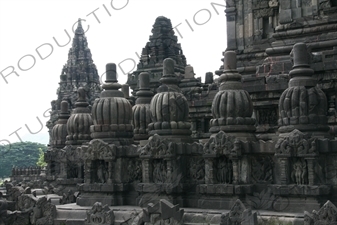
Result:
295,190
108,188
224,189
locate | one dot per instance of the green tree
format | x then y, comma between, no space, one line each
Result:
19,154
40,161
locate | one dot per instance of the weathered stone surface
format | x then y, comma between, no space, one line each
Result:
239,214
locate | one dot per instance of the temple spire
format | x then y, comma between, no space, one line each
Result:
79,71
79,29
162,44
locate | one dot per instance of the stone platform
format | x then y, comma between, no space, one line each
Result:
72,214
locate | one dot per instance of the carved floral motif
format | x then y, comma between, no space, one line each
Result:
263,200
98,149
158,147
223,144
296,144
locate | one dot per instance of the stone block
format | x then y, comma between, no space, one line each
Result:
285,16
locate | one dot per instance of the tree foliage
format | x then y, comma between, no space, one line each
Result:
20,154
40,161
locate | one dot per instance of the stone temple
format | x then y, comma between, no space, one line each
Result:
256,143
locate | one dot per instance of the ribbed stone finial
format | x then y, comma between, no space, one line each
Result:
78,125
301,55
169,106
144,94
209,78
230,79
59,131
64,114
141,112
111,73
144,81
301,74
169,77
111,86
112,112
168,67
229,61
64,106
303,105
232,106
81,94
81,98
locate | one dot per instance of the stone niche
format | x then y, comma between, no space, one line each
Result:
226,171
109,171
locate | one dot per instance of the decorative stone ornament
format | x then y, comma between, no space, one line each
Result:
141,113
303,105
163,212
112,113
100,215
78,125
232,107
59,131
169,107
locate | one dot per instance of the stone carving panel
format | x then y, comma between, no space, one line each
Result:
158,148
224,171
100,171
296,144
159,171
196,169
299,174
134,170
223,144
98,149
100,215
262,169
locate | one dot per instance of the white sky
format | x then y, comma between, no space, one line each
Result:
27,24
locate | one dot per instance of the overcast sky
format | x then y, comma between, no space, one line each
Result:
117,30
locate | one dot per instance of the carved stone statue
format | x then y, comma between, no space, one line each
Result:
299,172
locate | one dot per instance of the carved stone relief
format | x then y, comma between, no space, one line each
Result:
196,169
100,215
262,169
159,171
299,174
224,171
296,143
223,144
